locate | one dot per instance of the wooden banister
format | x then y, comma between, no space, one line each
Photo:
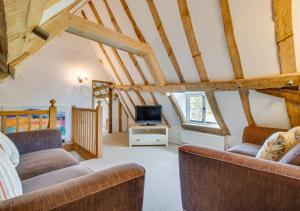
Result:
19,116
87,131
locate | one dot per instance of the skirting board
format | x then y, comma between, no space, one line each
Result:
203,139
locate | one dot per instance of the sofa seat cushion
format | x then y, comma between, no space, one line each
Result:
54,177
41,162
245,149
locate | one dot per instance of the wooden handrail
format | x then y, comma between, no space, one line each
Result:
87,131
52,112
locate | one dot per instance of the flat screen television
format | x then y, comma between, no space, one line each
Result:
148,115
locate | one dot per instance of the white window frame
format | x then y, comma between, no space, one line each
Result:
204,107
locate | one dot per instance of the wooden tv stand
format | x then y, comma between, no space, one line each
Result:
148,135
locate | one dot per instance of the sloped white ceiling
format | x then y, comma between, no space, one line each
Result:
255,35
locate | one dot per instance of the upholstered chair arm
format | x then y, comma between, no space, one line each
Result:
218,180
117,188
37,140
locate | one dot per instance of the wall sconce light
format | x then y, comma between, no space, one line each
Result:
81,79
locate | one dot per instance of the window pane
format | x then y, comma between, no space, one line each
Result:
196,108
209,114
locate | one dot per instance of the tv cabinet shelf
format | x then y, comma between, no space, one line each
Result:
148,135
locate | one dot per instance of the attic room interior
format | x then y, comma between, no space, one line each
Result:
149,105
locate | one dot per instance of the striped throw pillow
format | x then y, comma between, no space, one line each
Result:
10,149
10,183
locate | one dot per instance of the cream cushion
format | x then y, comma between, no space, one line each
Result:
9,149
277,145
10,183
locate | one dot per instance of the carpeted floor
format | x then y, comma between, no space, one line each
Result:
162,188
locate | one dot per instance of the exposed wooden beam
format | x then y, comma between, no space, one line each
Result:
102,96
191,38
282,10
230,40
50,3
115,52
267,82
235,57
54,26
110,111
18,20
114,70
135,27
165,40
93,31
125,104
120,117
142,39
118,29
196,54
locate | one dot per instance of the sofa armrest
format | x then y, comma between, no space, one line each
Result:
117,188
37,140
218,180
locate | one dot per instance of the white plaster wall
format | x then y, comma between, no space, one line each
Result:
203,139
52,73
255,35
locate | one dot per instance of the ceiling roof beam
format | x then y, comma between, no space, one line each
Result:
196,54
165,40
282,11
277,81
235,57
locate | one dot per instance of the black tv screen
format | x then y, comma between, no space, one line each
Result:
148,114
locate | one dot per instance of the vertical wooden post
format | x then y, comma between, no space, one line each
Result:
74,128
110,107
52,115
4,118
120,117
99,130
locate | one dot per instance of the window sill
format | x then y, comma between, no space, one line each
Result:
204,128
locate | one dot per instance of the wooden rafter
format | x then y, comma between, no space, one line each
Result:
142,39
267,82
115,52
115,73
50,3
65,21
282,10
134,61
19,19
235,57
196,54
33,44
165,40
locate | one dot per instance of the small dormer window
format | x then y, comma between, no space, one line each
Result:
198,110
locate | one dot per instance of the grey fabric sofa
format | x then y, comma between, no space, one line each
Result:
53,180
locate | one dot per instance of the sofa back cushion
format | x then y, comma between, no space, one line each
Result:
258,135
10,183
9,149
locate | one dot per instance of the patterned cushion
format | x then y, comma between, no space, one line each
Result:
10,183
277,145
10,149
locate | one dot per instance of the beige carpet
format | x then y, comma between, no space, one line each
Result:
162,187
